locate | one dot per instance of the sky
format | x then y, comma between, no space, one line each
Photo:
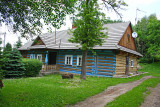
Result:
146,8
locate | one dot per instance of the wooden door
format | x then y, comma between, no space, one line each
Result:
127,65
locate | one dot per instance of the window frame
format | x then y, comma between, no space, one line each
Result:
79,56
66,59
39,55
131,63
32,56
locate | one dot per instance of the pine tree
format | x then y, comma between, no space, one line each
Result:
13,64
1,63
18,43
7,49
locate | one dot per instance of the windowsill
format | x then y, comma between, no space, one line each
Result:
79,65
68,65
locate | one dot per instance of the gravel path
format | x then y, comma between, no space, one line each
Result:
100,100
153,99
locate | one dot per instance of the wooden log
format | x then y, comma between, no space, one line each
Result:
67,76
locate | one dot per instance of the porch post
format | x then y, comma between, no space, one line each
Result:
46,60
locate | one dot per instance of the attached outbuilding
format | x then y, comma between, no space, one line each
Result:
116,56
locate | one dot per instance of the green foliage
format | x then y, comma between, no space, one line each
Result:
108,20
89,25
13,66
148,38
7,49
53,90
154,37
1,63
25,15
136,96
32,66
18,43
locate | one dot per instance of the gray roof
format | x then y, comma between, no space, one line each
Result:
115,33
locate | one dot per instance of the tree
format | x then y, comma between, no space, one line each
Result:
7,49
146,40
154,38
13,66
108,20
18,43
25,16
1,63
89,25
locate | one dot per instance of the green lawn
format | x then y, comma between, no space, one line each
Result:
153,68
136,96
54,91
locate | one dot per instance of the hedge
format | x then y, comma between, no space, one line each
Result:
32,66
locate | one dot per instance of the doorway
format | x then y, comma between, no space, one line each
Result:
52,58
127,65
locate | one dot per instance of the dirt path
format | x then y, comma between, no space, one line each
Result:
100,100
153,99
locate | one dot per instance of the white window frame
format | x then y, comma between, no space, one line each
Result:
66,59
79,56
131,63
40,56
32,56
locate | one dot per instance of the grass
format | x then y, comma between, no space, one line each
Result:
54,91
136,96
153,68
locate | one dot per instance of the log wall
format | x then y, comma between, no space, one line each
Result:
101,64
121,63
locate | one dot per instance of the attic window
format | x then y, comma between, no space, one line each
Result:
128,37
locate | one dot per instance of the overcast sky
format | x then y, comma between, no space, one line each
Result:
147,7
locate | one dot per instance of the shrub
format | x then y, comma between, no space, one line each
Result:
32,66
13,66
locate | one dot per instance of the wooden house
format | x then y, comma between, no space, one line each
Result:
117,55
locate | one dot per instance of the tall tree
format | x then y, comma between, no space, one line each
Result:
89,27
1,63
18,43
144,40
154,38
25,15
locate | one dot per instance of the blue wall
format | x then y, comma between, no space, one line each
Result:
101,64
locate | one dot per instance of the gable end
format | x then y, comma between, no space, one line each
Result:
127,40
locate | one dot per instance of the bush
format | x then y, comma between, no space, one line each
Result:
32,66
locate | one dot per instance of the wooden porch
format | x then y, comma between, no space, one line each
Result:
49,69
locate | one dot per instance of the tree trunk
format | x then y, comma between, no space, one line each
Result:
83,69
153,59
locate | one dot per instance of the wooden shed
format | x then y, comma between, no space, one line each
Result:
117,55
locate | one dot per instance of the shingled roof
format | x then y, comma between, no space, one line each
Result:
115,33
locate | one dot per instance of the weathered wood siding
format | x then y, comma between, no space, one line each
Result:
121,63
127,40
102,64
38,41
135,62
24,53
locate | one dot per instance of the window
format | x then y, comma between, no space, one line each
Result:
128,37
39,57
79,60
32,56
68,60
131,63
